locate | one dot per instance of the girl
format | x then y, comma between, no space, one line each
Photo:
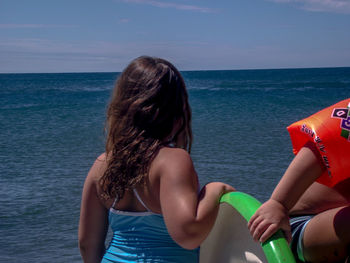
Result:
145,184
319,223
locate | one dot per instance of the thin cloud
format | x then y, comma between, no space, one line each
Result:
46,46
124,21
177,6
33,26
333,6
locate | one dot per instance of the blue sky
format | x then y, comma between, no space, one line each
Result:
103,36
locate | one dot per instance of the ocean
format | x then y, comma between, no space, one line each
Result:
52,129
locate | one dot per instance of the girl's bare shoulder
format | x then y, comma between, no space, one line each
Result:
170,155
97,170
172,161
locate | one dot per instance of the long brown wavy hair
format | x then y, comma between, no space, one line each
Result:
148,109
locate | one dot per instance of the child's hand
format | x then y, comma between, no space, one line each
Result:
270,217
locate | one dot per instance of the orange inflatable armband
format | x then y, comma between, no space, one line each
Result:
329,130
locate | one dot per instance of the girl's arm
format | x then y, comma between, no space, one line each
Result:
189,217
93,224
305,168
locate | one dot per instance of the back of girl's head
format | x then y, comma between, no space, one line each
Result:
149,107
149,97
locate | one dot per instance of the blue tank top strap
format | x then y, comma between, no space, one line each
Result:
140,200
115,201
171,144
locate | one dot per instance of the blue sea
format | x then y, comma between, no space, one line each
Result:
52,129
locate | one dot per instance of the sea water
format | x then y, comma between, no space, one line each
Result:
52,129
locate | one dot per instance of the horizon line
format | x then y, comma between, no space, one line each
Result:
190,70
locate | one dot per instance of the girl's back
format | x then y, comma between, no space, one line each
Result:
147,191
139,230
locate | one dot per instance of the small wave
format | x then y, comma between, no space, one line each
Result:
19,106
247,88
305,88
199,88
84,88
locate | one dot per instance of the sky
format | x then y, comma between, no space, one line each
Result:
38,36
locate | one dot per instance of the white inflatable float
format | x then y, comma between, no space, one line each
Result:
230,240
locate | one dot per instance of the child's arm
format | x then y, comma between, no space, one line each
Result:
305,168
189,217
93,224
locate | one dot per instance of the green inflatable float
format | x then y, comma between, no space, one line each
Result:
230,240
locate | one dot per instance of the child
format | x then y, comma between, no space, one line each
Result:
145,184
319,224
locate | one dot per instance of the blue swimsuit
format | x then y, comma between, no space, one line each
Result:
143,237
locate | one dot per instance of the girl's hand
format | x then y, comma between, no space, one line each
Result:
270,217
